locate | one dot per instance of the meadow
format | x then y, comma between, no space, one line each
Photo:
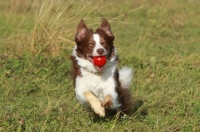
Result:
159,39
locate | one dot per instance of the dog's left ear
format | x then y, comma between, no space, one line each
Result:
82,31
105,26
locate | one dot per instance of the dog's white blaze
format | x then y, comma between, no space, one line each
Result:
96,38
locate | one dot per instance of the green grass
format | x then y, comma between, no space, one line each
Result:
158,39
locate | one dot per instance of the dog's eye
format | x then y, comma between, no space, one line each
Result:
90,44
103,43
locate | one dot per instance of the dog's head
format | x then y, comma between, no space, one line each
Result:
94,43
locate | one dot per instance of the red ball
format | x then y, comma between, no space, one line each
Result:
99,61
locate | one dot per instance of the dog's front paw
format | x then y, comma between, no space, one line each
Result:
99,110
107,103
95,104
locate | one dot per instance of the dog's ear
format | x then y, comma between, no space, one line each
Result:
82,31
105,26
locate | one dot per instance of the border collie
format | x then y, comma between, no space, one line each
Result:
104,89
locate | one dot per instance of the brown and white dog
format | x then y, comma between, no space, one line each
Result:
104,89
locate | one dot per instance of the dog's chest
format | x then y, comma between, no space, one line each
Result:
96,84
99,81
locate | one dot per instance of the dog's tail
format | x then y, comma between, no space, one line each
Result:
125,77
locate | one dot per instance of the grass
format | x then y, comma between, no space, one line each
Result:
158,39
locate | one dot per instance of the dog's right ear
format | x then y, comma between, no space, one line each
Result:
82,31
106,27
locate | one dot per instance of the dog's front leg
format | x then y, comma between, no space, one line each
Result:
95,104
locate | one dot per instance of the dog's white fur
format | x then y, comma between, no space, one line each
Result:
92,89
100,86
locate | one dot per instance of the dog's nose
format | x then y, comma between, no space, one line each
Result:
100,51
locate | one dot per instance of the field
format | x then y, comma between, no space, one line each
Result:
158,39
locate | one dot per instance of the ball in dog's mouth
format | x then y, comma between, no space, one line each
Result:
98,61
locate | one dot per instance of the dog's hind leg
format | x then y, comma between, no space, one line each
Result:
95,104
